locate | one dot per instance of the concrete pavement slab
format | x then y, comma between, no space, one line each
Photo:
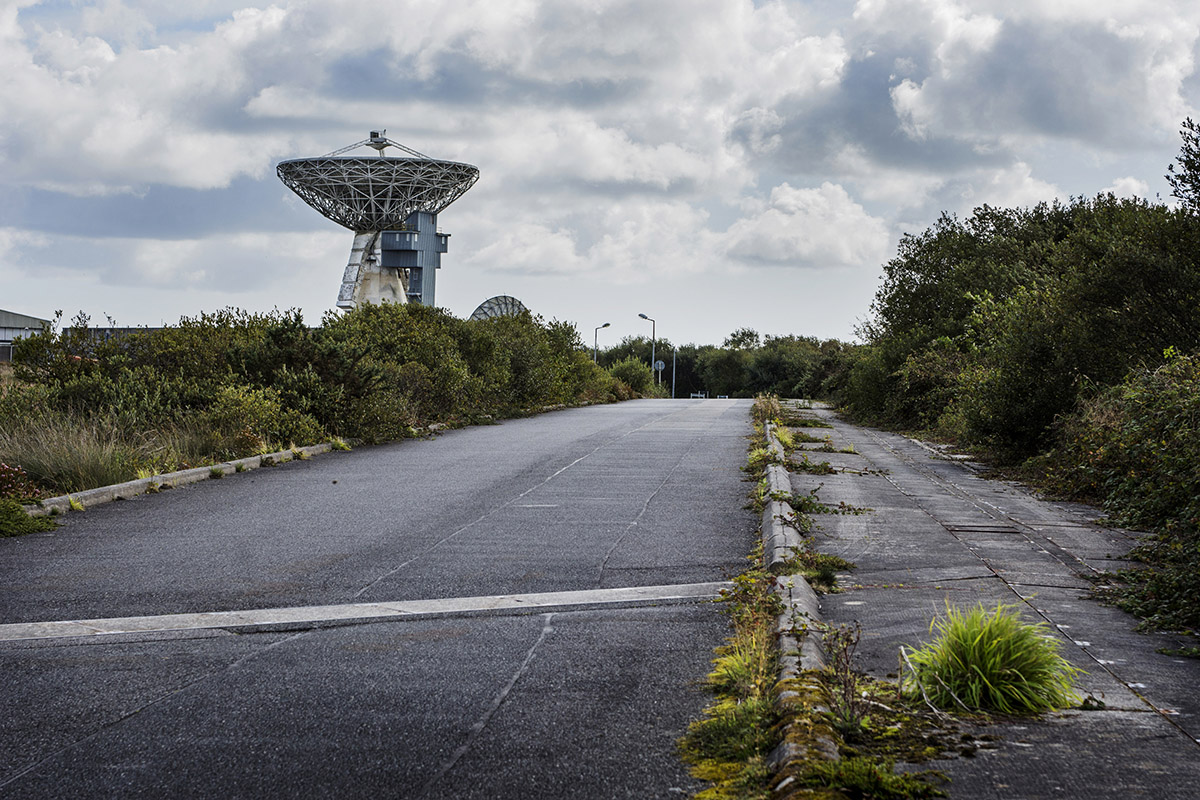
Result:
942,534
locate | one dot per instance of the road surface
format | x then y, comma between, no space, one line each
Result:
300,631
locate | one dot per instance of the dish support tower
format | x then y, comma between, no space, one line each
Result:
398,266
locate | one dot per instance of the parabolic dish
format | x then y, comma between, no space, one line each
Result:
499,306
376,193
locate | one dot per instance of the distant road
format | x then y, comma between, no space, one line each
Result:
582,698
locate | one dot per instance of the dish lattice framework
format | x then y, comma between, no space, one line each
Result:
376,192
501,305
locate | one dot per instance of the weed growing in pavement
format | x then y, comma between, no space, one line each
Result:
819,569
730,744
216,473
784,435
1185,652
811,467
748,717
15,522
989,661
848,706
239,467
759,495
811,504
758,459
336,443
867,778
765,409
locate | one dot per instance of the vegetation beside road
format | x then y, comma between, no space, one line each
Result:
1061,342
83,411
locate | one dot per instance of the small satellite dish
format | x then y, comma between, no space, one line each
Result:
499,306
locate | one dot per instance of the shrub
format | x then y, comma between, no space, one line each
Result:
244,421
15,484
633,373
1136,449
990,661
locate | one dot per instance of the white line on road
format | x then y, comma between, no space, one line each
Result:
367,612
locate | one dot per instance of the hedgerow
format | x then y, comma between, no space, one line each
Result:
86,410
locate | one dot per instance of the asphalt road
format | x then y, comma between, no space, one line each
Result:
579,700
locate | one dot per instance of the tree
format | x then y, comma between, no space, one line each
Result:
1185,182
742,339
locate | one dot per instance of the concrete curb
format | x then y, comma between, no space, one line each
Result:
796,626
155,483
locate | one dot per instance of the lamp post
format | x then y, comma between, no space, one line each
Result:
596,342
653,341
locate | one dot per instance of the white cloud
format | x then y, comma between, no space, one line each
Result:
620,142
820,227
527,248
1004,188
1128,186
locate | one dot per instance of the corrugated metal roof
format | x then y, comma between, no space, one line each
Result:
11,319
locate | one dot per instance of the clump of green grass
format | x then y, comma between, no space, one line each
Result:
758,459
819,569
15,522
990,661
730,744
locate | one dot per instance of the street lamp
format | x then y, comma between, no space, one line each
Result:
596,341
653,340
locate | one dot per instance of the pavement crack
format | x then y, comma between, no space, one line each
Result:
490,712
507,504
96,731
645,507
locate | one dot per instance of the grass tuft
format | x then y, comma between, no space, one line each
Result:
990,661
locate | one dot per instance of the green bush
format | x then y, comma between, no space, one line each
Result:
634,374
990,661
1136,449
84,410
245,420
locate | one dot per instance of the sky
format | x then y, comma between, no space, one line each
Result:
713,164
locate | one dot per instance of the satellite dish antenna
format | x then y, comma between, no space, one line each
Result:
499,306
391,203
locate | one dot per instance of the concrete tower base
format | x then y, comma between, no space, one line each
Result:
366,280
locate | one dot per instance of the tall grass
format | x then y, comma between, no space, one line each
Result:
67,454
990,661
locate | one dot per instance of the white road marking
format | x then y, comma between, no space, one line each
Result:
367,612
